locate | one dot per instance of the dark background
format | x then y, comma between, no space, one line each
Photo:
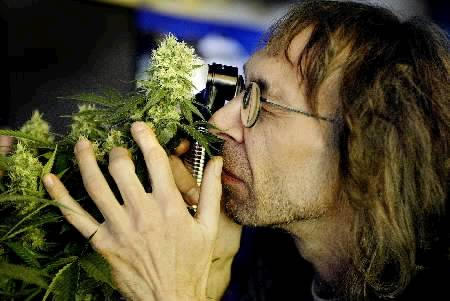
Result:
58,48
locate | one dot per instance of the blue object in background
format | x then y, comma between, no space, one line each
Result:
190,28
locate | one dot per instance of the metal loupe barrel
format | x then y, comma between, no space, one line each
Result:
223,84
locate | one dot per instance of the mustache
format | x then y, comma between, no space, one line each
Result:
235,161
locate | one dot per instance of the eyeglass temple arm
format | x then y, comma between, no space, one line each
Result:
297,110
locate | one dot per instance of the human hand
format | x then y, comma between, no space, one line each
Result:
156,249
229,233
6,143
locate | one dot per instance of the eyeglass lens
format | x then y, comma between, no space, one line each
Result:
250,105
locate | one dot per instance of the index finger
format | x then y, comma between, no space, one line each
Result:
185,181
156,161
6,143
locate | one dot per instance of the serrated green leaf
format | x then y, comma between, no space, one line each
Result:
187,113
61,174
23,273
47,168
5,163
194,109
97,267
25,253
91,113
167,133
198,136
7,197
114,96
122,114
64,284
199,104
86,288
93,98
27,217
47,155
58,263
47,219
18,134
88,284
12,198
155,98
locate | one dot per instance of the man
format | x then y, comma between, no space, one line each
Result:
339,139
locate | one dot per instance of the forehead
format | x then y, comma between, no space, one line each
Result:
282,72
293,51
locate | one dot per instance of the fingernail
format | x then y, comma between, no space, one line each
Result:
218,165
48,180
82,144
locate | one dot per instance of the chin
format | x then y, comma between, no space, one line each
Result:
246,214
241,211
273,213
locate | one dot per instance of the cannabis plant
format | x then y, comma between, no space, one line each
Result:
41,255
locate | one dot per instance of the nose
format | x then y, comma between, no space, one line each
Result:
228,121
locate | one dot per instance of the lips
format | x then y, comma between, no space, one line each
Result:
229,174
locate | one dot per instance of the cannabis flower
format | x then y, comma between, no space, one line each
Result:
169,87
83,124
170,72
34,238
38,128
115,138
25,170
24,174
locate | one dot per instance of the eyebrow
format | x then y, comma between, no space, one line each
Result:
262,83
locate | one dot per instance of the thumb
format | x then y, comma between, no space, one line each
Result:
210,194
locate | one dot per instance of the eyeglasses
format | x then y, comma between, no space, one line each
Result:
251,106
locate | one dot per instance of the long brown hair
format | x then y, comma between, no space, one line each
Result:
394,98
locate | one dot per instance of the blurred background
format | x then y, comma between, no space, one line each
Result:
58,48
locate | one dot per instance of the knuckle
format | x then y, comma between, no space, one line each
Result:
70,216
83,153
117,165
155,152
57,192
93,188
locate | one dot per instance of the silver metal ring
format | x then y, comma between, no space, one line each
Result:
92,235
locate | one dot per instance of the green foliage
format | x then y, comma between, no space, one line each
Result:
64,284
24,175
26,274
38,128
37,143
97,267
47,168
5,162
59,263
110,98
41,255
26,254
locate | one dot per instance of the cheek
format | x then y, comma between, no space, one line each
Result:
297,153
